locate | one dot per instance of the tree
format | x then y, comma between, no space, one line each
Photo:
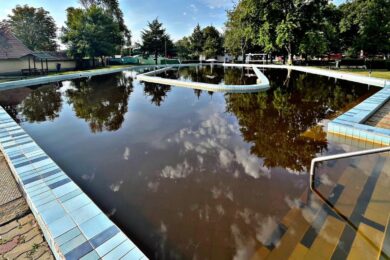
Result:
313,43
91,33
365,25
240,31
34,27
183,48
112,6
155,40
212,42
197,42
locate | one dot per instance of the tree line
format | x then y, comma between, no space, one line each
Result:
308,27
279,27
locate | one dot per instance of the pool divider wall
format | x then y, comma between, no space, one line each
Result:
262,84
72,224
351,123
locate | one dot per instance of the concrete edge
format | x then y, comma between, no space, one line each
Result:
261,86
51,209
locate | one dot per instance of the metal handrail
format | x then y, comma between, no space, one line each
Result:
341,156
327,202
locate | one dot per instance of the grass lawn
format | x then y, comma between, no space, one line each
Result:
384,74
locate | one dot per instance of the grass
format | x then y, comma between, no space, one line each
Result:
384,74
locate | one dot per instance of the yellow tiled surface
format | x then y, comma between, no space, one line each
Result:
299,252
327,239
362,248
260,254
379,206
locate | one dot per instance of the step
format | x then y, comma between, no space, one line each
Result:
385,248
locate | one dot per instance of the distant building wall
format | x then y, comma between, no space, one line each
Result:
14,66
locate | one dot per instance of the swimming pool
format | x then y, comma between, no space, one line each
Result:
187,172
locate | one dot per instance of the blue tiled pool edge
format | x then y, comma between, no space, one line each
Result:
351,123
74,227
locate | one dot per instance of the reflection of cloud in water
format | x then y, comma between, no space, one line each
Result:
315,215
222,192
220,210
126,154
245,247
225,157
181,170
88,177
268,233
153,186
214,137
251,164
115,187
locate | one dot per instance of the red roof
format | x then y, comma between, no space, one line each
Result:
10,46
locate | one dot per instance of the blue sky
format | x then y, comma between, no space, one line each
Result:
178,16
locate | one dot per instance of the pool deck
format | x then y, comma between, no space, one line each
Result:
353,123
74,227
381,118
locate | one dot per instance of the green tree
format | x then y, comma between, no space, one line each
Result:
183,48
212,42
91,33
112,6
34,27
313,43
240,30
365,25
197,42
155,40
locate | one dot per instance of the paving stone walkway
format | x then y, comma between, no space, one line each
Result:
20,235
381,118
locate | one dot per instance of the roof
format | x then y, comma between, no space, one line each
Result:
43,55
10,46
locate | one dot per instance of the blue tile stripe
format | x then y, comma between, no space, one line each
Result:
71,223
351,124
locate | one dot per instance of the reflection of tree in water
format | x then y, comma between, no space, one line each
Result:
197,92
157,92
42,104
101,101
282,123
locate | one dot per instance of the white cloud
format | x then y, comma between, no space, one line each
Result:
213,4
181,170
225,157
126,154
245,247
252,164
115,187
268,231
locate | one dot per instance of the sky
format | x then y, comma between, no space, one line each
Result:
178,16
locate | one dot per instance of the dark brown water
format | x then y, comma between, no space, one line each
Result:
186,173
215,74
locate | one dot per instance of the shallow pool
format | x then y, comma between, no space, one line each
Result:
186,173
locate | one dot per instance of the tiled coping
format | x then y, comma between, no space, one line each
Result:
262,84
351,123
74,227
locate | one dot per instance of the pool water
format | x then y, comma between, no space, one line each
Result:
187,173
215,74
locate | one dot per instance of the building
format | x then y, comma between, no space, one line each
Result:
17,59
